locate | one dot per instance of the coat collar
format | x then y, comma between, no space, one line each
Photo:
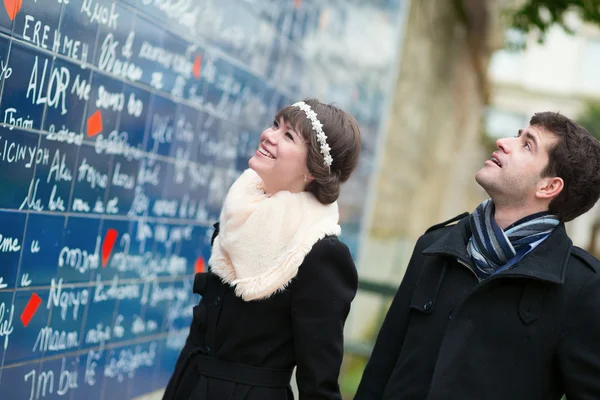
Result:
547,262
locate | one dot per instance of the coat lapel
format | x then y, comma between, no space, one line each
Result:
547,262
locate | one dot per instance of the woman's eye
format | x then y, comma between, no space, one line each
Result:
289,135
275,124
528,146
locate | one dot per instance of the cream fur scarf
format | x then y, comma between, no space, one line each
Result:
263,239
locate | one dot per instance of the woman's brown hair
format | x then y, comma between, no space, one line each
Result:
343,136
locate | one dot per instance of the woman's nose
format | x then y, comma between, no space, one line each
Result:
272,135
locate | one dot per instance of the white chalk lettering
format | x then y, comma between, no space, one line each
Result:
81,88
90,366
110,101
9,119
25,281
100,14
44,383
134,106
148,174
54,93
91,175
31,202
116,143
64,135
6,322
52,340
80,260
121,179
115,291
69,298
9,245
59,169
108,61
128,361
55,203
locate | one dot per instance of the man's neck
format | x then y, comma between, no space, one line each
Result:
506,216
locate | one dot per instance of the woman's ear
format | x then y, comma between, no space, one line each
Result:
308,178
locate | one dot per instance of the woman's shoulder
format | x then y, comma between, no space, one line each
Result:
330,247
329,259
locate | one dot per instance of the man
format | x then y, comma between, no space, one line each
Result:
501,305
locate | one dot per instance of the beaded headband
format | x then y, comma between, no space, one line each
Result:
317,127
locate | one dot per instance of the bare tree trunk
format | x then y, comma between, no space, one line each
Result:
433,146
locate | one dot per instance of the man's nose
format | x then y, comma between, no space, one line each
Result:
504,144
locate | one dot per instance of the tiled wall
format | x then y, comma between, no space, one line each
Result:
122,125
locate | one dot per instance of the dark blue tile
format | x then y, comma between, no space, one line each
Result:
27,90
77,33
128,315
101,327
147,35
92,178
107,99
81,252
12,229
8,319
161,128
37,23
119,369
7,20
220,87
168,357
26,348
185,138
194,248
135,115
30,382
65,371
67,304
143,380
123,194
116,44
115,260
91,375
54,179
19,153
45,235
66,119
177,64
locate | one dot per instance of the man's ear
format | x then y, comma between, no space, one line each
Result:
550,188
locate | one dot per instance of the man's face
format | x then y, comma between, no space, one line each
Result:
513,174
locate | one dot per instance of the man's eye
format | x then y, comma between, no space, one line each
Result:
528,146
275,124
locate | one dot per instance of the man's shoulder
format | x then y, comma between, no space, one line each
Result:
442,228
435,232
584,259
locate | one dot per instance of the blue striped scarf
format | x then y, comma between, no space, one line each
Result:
491,248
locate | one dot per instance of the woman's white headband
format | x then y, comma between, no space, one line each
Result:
317,127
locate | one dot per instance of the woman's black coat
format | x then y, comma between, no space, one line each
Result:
301,326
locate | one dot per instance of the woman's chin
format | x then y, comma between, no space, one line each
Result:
254,163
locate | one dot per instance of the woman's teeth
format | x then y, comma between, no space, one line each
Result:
265,153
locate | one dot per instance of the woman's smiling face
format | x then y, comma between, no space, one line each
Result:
280,160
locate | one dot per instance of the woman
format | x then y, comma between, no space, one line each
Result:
280,282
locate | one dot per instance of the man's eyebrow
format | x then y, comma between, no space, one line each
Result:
531,137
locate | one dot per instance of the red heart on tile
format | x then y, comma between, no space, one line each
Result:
12,8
